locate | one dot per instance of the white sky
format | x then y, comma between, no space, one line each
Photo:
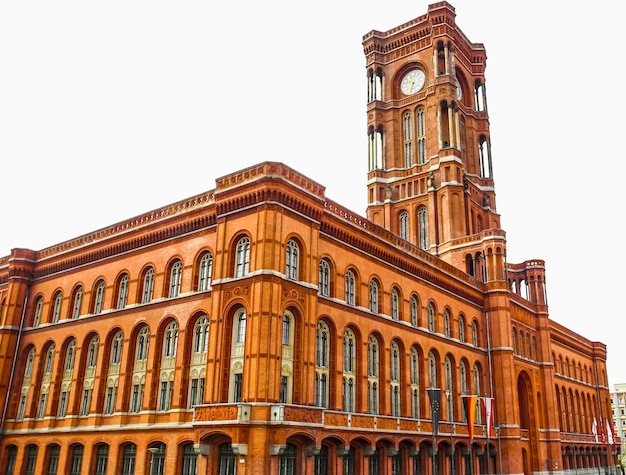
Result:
111,109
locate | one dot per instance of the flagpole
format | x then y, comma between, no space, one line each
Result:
451,451
434,394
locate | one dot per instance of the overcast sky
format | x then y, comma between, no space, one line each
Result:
112,109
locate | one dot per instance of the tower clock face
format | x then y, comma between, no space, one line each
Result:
412,82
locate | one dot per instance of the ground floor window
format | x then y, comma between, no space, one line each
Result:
227,460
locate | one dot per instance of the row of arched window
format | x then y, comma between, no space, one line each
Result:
571,369
395,308
121,297
203,271
125,463
64,381
576,411
396,379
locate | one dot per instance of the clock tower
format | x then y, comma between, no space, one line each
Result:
430,177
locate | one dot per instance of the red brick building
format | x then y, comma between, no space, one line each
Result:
261,327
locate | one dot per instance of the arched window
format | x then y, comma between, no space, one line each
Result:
349,351
422,227
292,260
414,310
242,257
421,135
170,340
101,459
76,458
479,97
28,370
167,367
322,351
56,311
374,92
286,329
449,406
324,278
431,317
190,460
407,130
227,460
148,286
143,343
375,149
92,354
38,310
404,225
394,372
373,372
52,459
395,304
116,348
461,328
77,302
476,377
129,453
157,459
349,363
287,461
122,292
474,333
446,322
432,370
205,269
49,360
484,155
201,335
463,378
70,356
176,276
197,368
241,326
350,288
99,297
415,384
374,296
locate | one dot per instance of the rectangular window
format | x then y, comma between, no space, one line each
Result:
85,402
77,459
41,410
283,388
237,390
22,407
196,394
165,396
136,398
62,404
190,460
77,301
53,460
128,460
102,457
31,460
109,403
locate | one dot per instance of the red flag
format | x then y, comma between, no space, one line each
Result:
488,408
603,433
469,405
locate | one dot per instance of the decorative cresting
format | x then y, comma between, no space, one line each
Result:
332,228
185,206
162,234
